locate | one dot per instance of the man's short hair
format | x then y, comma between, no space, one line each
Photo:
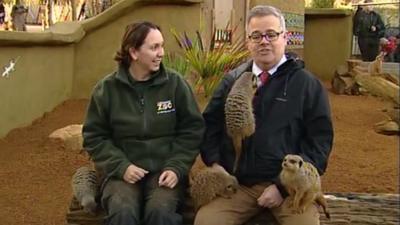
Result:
266,10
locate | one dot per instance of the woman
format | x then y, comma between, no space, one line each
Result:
142,129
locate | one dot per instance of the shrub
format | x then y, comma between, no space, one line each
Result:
209,64
322,3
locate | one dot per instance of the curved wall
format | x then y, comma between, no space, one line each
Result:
67,60
94,54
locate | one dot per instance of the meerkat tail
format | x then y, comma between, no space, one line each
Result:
237,145
89,204
320,200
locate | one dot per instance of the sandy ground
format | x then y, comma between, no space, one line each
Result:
35,174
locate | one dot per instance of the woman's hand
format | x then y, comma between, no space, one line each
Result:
133,174
168,178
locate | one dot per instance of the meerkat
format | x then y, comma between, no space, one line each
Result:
210,183
303,183
239,117
18,15
375,67
85,188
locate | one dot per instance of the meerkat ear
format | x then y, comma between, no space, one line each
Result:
300,164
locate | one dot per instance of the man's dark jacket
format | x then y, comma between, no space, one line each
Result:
292,117
363,21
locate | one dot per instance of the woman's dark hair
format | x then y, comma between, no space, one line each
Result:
134,36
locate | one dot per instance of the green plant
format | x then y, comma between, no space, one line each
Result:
209,64
177,63
322,3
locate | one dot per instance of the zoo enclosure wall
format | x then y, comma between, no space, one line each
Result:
66,61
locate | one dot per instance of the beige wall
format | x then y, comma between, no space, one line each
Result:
328,34
41,80
295,6
223,13
94,54
68,60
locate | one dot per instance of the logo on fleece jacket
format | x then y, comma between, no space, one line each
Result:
165,107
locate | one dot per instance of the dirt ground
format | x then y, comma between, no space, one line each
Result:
35,174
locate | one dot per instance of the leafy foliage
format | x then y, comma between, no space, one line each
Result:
322,3
209,64
177,63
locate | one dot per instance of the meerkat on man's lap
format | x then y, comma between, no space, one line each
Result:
303,183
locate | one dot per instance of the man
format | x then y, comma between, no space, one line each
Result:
292,117
369,28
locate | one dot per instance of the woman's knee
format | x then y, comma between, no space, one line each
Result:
121,209
122,214
162,215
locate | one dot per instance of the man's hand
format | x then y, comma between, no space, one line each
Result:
270,198
133,174
373,28
168,178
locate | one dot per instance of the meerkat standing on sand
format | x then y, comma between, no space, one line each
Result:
302,182
239,117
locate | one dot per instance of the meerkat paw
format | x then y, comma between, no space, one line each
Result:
222,195
294,211
298,211
290,202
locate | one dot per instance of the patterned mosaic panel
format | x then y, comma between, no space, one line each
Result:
294,20
295,39
295,27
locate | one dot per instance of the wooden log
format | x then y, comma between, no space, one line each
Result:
343,85
338,85
345,209
342,71
358,71
379,87
351,63
389,77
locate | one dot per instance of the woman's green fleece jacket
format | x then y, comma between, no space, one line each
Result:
155,125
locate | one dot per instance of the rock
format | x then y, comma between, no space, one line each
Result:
71,136
387,127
